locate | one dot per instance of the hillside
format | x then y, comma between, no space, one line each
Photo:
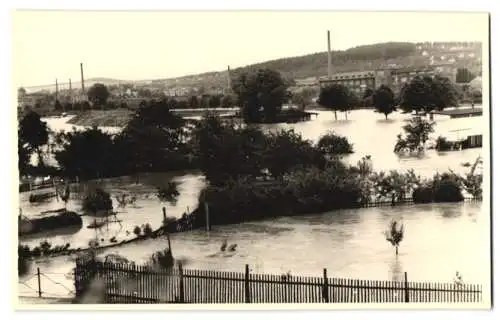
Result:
366,57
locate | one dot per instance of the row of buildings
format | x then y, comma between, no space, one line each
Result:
359,81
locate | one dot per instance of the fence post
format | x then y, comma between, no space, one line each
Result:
39,282
325,286
181,284
247,284
407,293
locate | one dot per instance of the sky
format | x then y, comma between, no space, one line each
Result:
151,45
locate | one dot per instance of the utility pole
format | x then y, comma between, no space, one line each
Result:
57,90
329,56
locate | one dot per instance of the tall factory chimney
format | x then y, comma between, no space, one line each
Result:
229,78
70,92
57,90
83,82
329,56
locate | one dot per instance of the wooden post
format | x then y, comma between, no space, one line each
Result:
407,293
207,217
325,286
181,284
39,282
247,284
169,245
164,216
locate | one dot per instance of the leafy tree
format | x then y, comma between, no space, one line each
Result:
98,201
332,144
416,134
33,134
261,94
395,234
193,102
336,97
23,155
153,139
383,100
21,91
98,94
299,100
87,154
285,150
464,75
427,94
225,152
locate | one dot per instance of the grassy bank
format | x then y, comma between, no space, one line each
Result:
102,118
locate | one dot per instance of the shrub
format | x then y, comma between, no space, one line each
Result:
137,230
448,191
442,144
147,230
423,195
332,144
97,201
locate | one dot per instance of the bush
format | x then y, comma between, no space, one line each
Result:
97,201
302,191
137,230
442,144
448,191
423,195
147,230
332,144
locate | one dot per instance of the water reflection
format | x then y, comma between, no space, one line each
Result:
396,270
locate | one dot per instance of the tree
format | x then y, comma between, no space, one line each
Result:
286,149
225,152
395,234
331,144
383,100
260,94
153,139
427,94
416,134
464,75
21,91
193,102
336,97
98,94
87,154
98,202
33,134
299,100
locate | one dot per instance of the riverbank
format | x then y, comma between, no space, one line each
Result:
102,118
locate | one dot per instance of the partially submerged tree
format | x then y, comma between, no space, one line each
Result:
33,133
395,235
426,94
98,203
336,97
261,94
383,100
331,144
169,193
416,135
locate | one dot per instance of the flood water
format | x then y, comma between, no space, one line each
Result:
439,239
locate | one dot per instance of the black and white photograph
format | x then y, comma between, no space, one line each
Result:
267,158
